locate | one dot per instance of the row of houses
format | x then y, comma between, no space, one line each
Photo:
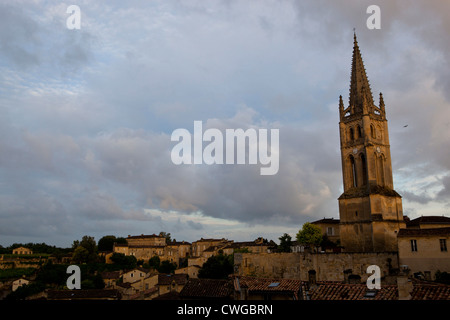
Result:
422,245
250,288
144,247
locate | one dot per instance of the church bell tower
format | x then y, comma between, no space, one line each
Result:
370,209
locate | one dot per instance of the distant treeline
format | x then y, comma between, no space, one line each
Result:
36,248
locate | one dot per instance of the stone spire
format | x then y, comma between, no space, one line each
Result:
360,92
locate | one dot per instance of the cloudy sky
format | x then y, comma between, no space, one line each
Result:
87,114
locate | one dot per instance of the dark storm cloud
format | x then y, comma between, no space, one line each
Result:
87,115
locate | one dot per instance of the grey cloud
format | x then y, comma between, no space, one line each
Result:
194,225
422,198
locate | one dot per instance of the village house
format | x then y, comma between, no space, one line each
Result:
251,288
329,227
210,289
190,270
425,222
135,274
88,294
424,251
199,246
22,250
19,282
171,283
110,278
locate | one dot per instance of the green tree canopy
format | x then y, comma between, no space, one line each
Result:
80,256
154,262
166,235
285,243
167,267
125,262
106,243
310,234
217,267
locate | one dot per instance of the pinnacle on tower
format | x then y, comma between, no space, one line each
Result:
360,92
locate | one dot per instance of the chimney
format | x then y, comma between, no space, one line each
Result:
404,284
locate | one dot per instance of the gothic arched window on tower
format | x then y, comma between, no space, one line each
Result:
364,168
358,130
380,170
352,134
373,132
353,171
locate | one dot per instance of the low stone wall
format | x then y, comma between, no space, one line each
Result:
325,266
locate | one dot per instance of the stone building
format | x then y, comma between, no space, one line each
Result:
424,222
424,251
22,250
370,209
329,227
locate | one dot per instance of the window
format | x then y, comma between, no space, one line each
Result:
364,168
352,134
353,166
330,231
358,130
413,245
443,244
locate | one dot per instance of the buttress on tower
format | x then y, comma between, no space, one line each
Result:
370,209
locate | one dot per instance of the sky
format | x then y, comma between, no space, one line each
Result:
87,114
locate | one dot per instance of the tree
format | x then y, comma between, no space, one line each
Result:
167,267
154,262
106,243
125,262
166,235
310,234
285,243
217,267
80,255
89,244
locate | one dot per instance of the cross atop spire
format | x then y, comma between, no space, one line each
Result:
360,92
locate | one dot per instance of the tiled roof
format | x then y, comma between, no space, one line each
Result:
83,294
343,291
142,236
167,279
430,291
110,275
172,295
327,220
143,294
138,268
211,249
429,220
178,243
207,289
268,285
245,244
144,246
424,232
209,240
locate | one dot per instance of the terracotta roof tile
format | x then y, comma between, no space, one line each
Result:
430,220
167,279
207,289
424,232
343,291
83,294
